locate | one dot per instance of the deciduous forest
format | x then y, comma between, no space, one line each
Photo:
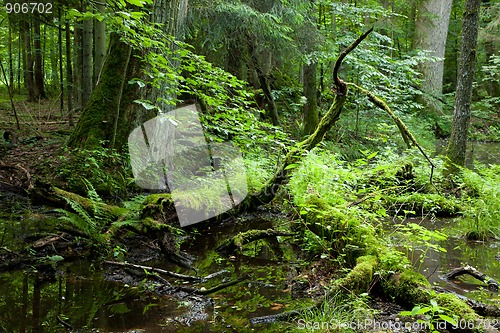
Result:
250,166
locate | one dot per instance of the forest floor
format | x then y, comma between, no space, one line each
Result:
35,145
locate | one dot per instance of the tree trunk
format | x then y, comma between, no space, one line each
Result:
172,14
61,55
113,117
430,34
69,75
39,85
77,62
87,47
28,57
111,101
11,67
311,115
461,114
100,44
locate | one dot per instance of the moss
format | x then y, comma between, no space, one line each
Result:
158,206
456,306
360,277
423,203
407,288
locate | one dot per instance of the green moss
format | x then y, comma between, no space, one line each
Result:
422,203
456,306
360,277
407,288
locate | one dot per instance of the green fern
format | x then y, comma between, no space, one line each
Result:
81,219
133,217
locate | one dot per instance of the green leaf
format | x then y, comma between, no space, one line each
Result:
448,319
137,3
291,166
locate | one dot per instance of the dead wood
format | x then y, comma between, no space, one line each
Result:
155,270
469,270
22,170
249,236
216,288
325,124
408,137
480,308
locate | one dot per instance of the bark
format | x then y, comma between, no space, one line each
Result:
172,15
111,102
461,114
249,236
326,123
61,62
111,114
87,67
156,270
430,34
39,88
311,115
77,63
28,61
469,270
100,44
11,66
261,63
69,76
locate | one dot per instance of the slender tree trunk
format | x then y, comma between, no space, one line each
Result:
20,58
11,67
77,63
430,34
461,114
311,116
172,14
100,44
28,68
69,75
87,67
61,72
39,84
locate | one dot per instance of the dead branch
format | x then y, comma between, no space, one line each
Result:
403,129
18,167
155,270
325,124
469,270
216,288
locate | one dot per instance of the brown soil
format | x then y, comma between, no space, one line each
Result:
34,151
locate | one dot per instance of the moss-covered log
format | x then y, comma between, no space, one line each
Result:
249,236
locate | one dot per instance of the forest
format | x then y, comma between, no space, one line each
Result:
250,166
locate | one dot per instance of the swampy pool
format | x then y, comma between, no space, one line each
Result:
91,299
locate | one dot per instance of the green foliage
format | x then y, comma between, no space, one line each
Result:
106,167
482,202
91,224
336,314
417,240
432,313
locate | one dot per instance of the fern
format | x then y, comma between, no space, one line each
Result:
133,216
